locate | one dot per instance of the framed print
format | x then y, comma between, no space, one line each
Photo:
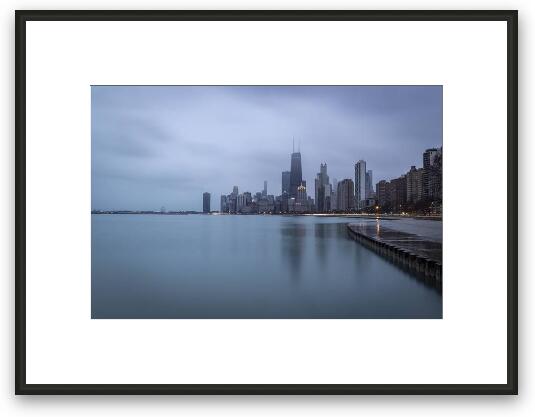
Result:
266,202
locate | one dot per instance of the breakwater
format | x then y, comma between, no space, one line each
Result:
421,256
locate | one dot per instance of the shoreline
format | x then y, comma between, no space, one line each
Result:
343,215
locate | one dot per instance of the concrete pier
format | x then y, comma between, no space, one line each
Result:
418,255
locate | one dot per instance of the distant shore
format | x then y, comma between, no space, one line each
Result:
348,215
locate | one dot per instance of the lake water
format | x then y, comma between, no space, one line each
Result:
202,266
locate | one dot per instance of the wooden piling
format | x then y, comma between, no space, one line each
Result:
420,256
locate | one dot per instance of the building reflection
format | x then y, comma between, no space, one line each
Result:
322,232
293,237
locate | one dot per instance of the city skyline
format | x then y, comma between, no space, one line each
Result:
418,190
158,158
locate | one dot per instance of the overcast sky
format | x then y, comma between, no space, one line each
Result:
166,145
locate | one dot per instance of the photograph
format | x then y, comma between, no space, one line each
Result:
266,201
254,202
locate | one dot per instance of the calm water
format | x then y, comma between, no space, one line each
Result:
195,266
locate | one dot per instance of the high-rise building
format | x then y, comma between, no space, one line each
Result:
360,184
264,191
301,201
432,181
415,182
291,205
319,195
334,194
429,157
284,202
323,171
435,177
369,184
322,189
296,174
398,193
206,203
301,193
231,202
285,182
278,205
346,195
381,193
223,208
241,202
310,204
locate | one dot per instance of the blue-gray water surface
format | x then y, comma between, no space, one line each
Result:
202,266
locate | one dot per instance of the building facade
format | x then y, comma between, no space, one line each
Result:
381,193
296,174
334,194
360,184
369,184
415,184
322,190
206,203
432,161
285,182
223,206
301,201
346,195
398,193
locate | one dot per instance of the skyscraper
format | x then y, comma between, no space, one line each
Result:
334,195
223,204
322,189
415,181
301,194
381,193
435,177
296,175
360,184
284,202
319,195
346,195
398,192
429,157
241,202
264,191
301,203
206,203
432,181
285,182
369,184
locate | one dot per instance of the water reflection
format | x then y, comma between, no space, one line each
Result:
292,247
322,232
245,267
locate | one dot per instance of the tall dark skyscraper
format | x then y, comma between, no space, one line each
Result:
346,195
360,184
369,184
296,174
432,181
285,182
206,202
322,189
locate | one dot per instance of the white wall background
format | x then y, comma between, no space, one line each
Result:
10,405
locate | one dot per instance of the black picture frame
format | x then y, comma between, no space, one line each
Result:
509,16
